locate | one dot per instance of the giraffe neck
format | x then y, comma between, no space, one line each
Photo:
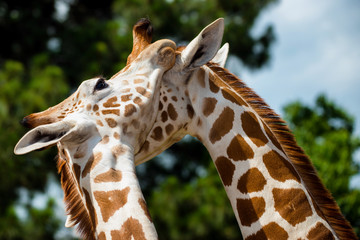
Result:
269,198
109,191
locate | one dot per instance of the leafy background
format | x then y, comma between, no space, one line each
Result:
49,46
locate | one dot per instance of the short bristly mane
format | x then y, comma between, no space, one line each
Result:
74,204
301,162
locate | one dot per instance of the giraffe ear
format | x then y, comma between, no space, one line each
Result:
221,56
44,136
204,47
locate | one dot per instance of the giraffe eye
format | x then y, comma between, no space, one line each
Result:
100,84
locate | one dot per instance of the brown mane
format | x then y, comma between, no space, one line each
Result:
297,156
74,204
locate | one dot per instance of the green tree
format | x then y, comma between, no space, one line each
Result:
326,133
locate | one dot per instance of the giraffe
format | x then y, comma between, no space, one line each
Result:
271,184
98,130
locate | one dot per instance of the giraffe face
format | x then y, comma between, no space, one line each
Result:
124,104
175,112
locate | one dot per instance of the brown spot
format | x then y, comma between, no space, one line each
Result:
98,122
124,128
111,102
320,232
174,98
164,116
102,236
125,90
165,98
251,181
199,122
90,207
111,111
234,99
201,77
172,112
252,129
91,163
226,170
125,98
105,139
88,107
135,123
190,111
111,175
131,229
208,106
250,210
161,106
222,125
145,146
95,107
147,94
111,122
116,135
213,87
157,134
169,128
279,168
292,205
125,82
138,80
129,110
118,150
77,171
145,208
137,100
77,95
141,90
239,150
111,201
270,231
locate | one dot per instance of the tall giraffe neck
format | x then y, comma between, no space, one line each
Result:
113,206
269,197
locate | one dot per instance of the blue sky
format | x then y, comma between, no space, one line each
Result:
317,51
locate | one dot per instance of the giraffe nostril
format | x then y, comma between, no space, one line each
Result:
25,122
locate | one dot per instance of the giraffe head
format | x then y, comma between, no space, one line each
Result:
175,111
100,107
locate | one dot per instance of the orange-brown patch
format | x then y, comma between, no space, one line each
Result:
272,137
292,205
131,229
77,171
91,163
116,135
102,236
214,88
250,210
239,150
271,231
169,128
88,107
226,170
208,106
105,139
190,111
125,98
95,107
138,80
111,122
137,100
111,102
145,146
233,98
172,112
112,175
174,98
111,201
157,134
98,122
165,98
279,168
222,125
145,208
251,181
320,232
141,90
118,150
129,110
201,77
111,111
252,129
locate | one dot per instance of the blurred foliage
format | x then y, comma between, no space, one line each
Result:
326,133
